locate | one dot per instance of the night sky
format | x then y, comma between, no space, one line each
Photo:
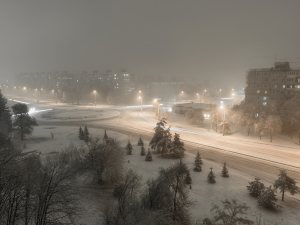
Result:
202,39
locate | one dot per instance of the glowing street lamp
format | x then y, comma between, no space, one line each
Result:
95,97
232,94
141,104
24,88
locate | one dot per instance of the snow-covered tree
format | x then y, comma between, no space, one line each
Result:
268,198
273,125
80,134
215,118
259,126
128,148
211,176
286,183
177,146
225,127
174,177
143,151
198,163
231,213
161,140
140,142
256,188
23,120
148,156
188,179
224,171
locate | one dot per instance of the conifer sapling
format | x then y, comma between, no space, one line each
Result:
128,148
140,142
188,179
198,163
268,198
143,151
211,177
148,156
256,188
225,171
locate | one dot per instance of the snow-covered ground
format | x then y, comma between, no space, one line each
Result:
204,193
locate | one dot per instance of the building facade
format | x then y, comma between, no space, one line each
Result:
272,85
122,82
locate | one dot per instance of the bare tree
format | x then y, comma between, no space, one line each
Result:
105,159
273,125
231,213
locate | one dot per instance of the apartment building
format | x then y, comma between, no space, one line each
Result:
121,82
272,85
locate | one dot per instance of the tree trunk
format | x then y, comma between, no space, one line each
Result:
248,131
217,129
259,137
282,196
270,136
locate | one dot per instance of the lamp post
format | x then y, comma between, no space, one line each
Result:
141,104
95,97
155,100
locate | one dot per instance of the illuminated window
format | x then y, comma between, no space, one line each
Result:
265,103
283,86
266,92
258,91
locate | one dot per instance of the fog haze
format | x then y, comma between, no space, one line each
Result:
202,39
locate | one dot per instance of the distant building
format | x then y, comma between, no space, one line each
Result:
195,107
122,82
174,91
272,85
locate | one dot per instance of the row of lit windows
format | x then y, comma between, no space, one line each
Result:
277,73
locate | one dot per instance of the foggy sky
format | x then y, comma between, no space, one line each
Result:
204,39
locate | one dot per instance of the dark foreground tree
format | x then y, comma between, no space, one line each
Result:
5,116
175,177
268,198
285,183
224,171
256,188
211,176
188,179
23,120
86,134
231,213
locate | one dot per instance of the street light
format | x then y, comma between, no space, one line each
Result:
141,104
95,97
223,108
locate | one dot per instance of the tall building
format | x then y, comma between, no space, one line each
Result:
272,85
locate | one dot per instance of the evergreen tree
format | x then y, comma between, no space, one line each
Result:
105,137
224,171
81,134
225,127
177,146
148,156
211,177
161,140
268,198
198,163
143,151
188,179
140,142
286,183
86,131
256,188
22,119
128,148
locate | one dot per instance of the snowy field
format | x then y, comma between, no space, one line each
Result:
204,193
